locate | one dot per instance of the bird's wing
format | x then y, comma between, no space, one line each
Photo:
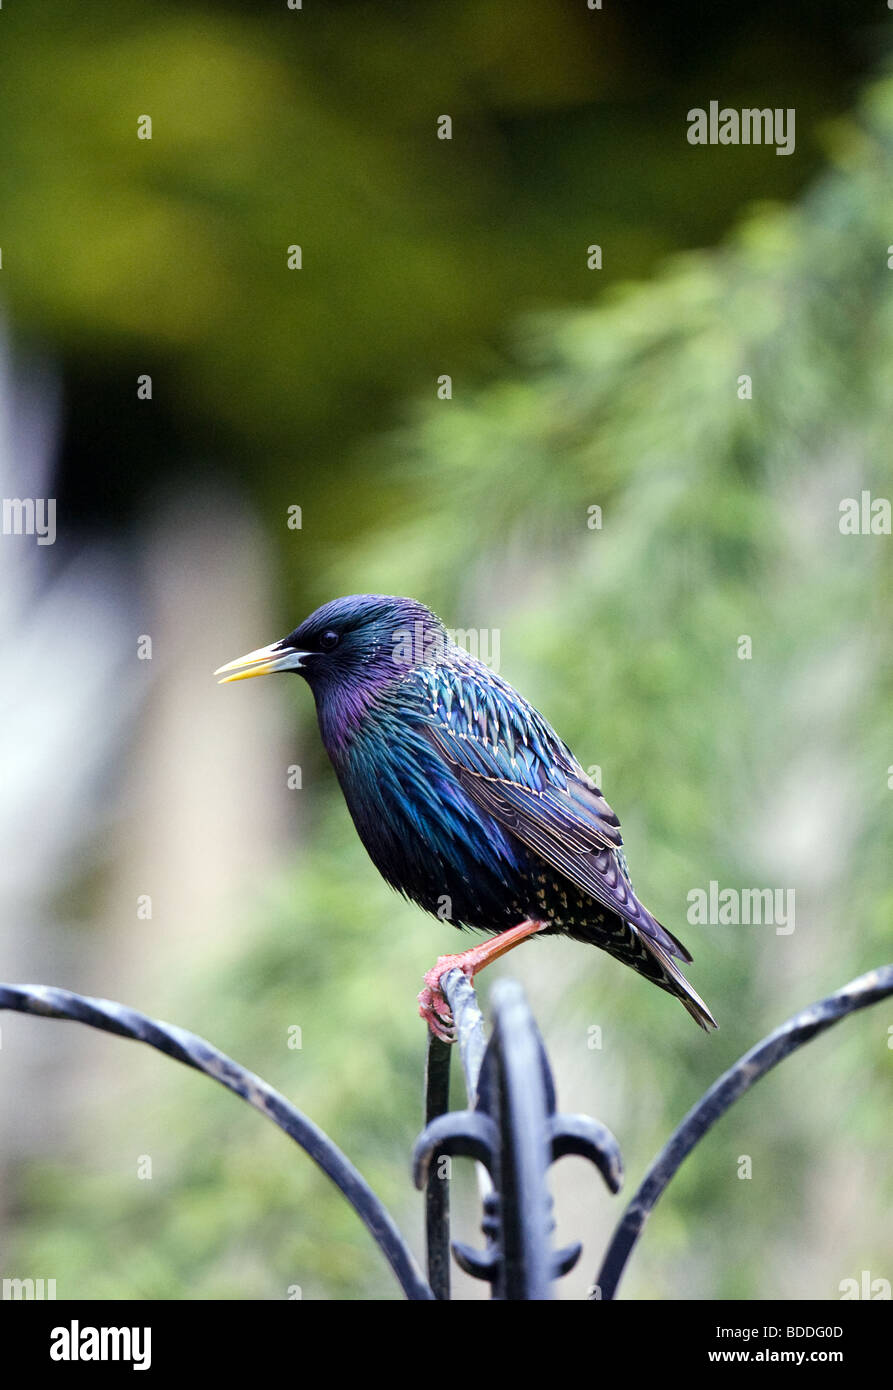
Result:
515,767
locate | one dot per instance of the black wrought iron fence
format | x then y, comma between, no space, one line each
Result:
510,1126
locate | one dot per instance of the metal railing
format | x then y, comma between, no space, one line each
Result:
510,1126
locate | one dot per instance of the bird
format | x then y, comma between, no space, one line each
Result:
465,798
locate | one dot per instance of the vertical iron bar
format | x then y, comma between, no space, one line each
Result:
437,1190
471,1042
524,1160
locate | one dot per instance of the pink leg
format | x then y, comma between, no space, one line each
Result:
433,1007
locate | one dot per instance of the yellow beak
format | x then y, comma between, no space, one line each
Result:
263,662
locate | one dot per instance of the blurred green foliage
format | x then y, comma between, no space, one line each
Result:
318,128
720,518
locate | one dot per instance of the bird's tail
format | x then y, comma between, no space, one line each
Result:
650,949
674,982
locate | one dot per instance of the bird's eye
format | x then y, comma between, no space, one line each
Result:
328,641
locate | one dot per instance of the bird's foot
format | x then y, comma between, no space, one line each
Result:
433,1005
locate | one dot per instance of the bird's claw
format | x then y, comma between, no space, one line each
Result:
433,1006
435,1010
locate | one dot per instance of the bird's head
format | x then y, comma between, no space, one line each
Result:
351,645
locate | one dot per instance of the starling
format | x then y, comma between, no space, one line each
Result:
466,799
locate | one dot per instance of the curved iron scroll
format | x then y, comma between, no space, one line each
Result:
731,1086
195,1052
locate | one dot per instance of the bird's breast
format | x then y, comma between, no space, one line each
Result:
421,829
